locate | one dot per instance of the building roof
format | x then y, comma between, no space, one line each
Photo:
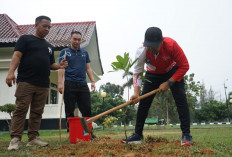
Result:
58,35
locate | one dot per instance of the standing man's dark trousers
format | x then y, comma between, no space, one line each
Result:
179,96
76,93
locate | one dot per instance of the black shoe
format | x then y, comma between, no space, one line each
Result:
134,138
93,136
186,140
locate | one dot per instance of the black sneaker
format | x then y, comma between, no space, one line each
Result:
93,136
134,138
186,140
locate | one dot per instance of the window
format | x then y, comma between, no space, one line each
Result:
53,94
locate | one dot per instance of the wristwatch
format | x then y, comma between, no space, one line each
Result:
170,83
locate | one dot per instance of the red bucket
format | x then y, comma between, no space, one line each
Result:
76,131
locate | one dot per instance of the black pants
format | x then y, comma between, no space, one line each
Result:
77,93
179,96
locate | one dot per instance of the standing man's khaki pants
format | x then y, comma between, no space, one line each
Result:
28,95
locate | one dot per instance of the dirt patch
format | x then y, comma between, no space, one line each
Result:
123,134
62,136
160,133
105,146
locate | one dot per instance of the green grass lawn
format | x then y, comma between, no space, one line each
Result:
217,139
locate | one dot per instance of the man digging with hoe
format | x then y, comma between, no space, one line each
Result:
166,67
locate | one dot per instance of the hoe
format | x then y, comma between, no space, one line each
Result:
85,122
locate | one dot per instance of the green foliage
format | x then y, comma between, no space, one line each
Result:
8,108
123,63
112,89
203,96
109,121
191,86
211,111
109,102
229,96
193,90
129,83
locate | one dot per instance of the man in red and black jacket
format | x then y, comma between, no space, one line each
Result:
166,65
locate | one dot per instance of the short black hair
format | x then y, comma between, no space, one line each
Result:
40,18
75,32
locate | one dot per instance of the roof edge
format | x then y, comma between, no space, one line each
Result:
13,25
65,23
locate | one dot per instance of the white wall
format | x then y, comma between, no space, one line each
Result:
6,93
7,96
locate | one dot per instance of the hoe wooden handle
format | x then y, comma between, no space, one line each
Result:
122,105
62,99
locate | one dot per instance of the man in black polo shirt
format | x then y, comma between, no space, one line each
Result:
76,90
34,57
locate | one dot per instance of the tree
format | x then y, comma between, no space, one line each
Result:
112,89
203,96
193,90
230,96
211,94
211,111
230,102
124,63
128,84
8,108
108,121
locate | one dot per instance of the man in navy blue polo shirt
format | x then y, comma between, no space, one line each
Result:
76,90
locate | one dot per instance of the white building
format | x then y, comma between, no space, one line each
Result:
59,38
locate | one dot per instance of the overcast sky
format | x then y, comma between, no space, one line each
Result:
201,27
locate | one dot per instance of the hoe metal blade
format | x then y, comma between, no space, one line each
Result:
84,124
